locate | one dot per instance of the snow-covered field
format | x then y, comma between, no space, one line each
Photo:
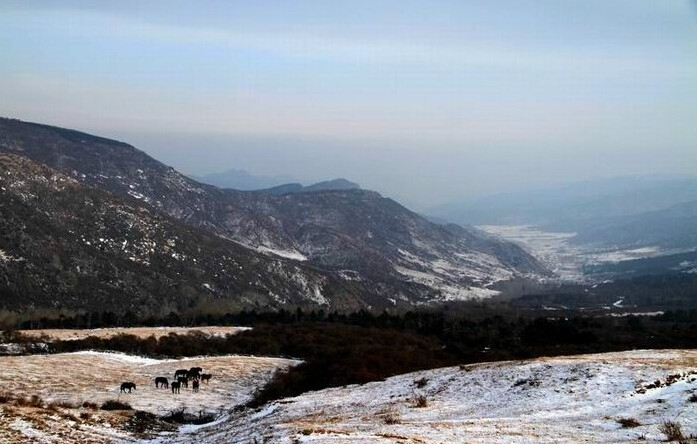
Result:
552,400
141,332
96,377
548,400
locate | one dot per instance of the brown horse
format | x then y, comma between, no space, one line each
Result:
206,377
161,381
195,386
175,386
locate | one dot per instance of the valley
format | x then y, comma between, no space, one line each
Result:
572,262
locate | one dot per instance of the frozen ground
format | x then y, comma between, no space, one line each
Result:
552,400
96,377
142,332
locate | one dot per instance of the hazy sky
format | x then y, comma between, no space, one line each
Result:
426,101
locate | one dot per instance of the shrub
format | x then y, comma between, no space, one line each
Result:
390,416
116,405
628,423
420,402
61,404
32,401
85,416
145,423
181,416
672,430
421,383
90,405
693,398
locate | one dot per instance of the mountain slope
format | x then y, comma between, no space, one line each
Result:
358,234
69,246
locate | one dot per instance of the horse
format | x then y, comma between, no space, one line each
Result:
161,381
183,380
175,386
195,372
205,377
181,372
127,386
195,386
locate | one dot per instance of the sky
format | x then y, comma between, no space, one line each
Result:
424,101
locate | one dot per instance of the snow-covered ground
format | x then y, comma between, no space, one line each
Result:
551,400
96,377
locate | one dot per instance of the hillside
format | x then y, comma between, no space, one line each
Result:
69,246
353,233
549,400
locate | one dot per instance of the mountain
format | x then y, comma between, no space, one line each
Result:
369,242
674,227
70,246
328,185
241,180
571,207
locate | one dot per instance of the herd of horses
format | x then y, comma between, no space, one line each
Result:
181,379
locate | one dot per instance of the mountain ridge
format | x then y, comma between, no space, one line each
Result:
357,234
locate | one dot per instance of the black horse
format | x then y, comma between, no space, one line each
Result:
175,386
183,380
205,377
161,381
127,386
195,386
195,372
181,372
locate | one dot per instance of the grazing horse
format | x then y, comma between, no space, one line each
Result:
205,377
161,381
195,386
183,380
195,372
181,372
175,386
127,386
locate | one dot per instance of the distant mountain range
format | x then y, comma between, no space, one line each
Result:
629,212
242,180
130,232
